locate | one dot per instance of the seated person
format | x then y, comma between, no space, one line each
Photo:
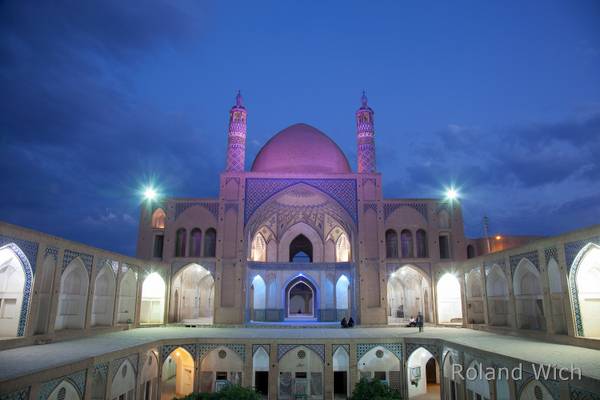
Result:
412,322
350,323
344,323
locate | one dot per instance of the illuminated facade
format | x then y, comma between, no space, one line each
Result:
302,237
299,240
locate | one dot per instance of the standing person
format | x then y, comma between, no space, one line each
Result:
420,321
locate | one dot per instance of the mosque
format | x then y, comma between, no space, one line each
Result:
249,288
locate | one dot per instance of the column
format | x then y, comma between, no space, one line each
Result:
273,372
328,373
247,378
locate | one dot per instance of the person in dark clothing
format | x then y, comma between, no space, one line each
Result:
420,321
344,323
350,323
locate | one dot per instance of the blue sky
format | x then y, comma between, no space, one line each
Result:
501,98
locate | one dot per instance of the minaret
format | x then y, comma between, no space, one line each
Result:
365,133
236,138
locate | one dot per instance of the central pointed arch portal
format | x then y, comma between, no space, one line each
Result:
300,299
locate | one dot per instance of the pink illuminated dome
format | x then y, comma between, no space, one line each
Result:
301,148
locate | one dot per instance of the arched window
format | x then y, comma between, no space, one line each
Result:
180,242
470,251
422,244
342,249
407,244
158,219
259,248
210,243
301,249
73,296
195,242
391,244
104,297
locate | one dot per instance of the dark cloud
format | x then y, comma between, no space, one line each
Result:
75,136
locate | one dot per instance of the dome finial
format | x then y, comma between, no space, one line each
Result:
363,98
238,99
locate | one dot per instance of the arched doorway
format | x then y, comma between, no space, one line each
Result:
193,291
127,298
300,374
260,367
451,379
153,300
300,296
220,367
583,279
423,376
149,377
497,296
342,298
408,294
475,314
65,391
301,249
73,297
449,300
380,363
123,383
14,294
478,387
341,369
258,299
529,298
104,297
177,375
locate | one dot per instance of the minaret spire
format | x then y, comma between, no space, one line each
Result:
236,138
365,133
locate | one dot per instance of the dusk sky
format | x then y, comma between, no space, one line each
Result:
97,98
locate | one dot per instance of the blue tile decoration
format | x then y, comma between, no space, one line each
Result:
168,349
369,206
211,206
21,394
552,386
488,265
283,349
26,251
574,254
343,346
572,249
432,348
102,369
259,190
51,251
333,267
363,348
531,256
116,364
77,379
265,347
550,253
577,393
389,208
70,255
205,348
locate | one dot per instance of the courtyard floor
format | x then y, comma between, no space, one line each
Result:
27,360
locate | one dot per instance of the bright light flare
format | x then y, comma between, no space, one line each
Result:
452,194
150,193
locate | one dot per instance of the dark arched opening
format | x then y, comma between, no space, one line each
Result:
470,251
301,249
